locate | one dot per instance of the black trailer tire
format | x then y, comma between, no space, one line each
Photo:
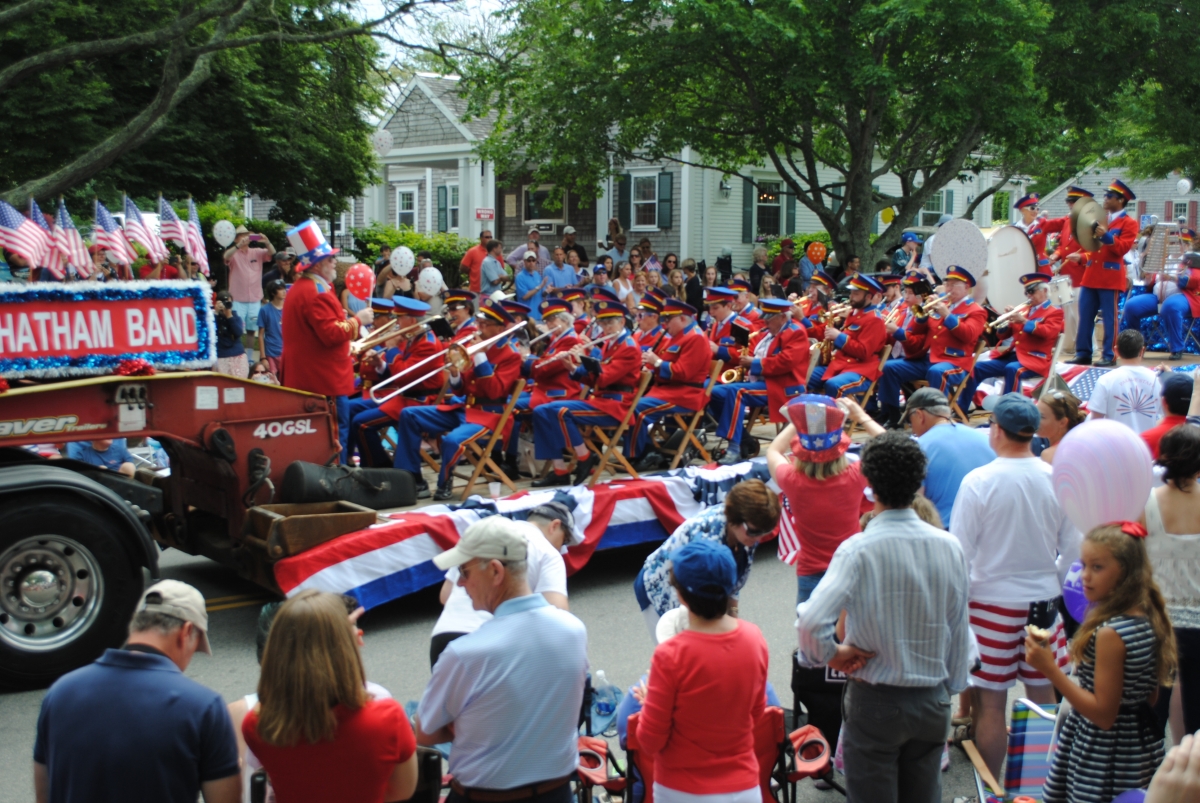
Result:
68,586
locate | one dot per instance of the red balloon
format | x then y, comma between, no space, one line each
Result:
360,281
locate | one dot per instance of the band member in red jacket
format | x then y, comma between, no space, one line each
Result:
1067,252
1104,279
774,366
458,308
551,372
722,319
411,361
744,305
679,375
909,335
316,332
952,331
613,370
481,393
1034,333
857,344
650,334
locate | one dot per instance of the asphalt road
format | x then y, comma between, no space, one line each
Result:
397,646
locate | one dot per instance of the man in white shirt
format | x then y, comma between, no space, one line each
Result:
1128,393
1019,545
548,528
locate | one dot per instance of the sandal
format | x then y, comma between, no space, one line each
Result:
960,734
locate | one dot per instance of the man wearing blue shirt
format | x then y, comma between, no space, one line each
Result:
559,273
619,252
530,283
492,274
109,454
131,726
506,736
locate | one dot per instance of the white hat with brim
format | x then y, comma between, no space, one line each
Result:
494,538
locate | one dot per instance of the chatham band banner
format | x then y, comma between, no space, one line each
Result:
85,328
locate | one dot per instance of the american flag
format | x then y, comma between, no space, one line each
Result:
1081,379
50,259
109,235
195,238
21,235
170,227
69,243
137,231
788,545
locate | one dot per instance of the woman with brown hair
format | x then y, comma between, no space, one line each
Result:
1060,414
749,515
315,730
675,288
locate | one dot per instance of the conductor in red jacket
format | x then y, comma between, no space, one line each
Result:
316,332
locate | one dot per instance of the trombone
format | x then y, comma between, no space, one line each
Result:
386,333
456,355
1002,321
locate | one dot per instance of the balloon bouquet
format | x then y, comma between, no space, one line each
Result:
1102,473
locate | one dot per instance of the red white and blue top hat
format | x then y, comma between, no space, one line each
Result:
819,436
309,243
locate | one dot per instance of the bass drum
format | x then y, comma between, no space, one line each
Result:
959,243
1010,256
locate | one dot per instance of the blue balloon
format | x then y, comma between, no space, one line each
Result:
1073,596
1130,796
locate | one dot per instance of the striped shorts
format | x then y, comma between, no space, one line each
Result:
1000,632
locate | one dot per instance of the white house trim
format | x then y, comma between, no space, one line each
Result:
462,129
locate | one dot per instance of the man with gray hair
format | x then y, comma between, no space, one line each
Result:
131,727
508,695
549,526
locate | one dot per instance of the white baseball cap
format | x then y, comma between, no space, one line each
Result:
568,230
180,600
494,538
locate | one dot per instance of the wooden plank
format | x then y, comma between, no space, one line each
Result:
981,767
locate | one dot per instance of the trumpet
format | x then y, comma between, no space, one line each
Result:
895,314
840,310
1002,321
385,334
733,375
928,304
456,354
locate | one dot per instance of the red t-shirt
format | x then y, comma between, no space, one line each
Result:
825,513
1154,435
704,695
473,260
168,272
353,768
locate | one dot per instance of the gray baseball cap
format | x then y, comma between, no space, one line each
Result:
180,600
928,399
494,538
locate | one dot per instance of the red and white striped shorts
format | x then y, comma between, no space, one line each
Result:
1000,632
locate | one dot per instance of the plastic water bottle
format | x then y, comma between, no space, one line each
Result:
605,698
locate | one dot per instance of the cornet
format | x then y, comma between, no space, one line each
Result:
928,305
1003,319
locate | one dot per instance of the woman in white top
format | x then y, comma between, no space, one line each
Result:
623,280
1172,517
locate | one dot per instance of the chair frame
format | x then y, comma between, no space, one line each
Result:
611,448
865,395
689,427
481,458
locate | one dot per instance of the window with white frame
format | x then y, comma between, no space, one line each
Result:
1180,210
644,198
932,211
452,206
406,207
537,202
768,209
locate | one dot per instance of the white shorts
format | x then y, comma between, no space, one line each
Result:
248,310
663,794
1000,632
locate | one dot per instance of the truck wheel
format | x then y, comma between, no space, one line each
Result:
68,586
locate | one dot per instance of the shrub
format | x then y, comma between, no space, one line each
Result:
447,248
772,243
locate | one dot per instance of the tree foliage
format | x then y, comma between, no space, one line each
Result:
832,94
263,96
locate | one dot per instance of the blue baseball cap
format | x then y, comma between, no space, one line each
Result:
1014,412
700,565
909,237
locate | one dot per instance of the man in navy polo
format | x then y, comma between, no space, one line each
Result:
130,727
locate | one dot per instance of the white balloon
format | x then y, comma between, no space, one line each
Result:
1184,186
224,232
403,258
383,141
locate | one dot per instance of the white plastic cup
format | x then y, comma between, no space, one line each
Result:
494,490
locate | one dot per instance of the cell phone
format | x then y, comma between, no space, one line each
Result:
256,238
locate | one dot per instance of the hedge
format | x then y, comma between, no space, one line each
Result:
773,248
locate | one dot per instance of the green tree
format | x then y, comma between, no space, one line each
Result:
264,96
833,94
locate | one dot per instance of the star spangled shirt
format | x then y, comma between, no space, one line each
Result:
1129,394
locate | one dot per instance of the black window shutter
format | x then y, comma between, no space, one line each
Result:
443,209
666,203
948,207
875,220
789,221
624,200
747,210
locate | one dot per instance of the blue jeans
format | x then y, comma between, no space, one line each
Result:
805,585
342,405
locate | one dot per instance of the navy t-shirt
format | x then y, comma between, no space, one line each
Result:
131,727
270,323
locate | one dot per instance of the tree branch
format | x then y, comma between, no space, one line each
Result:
990,191
9,15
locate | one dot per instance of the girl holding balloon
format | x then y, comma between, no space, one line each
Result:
1123,652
